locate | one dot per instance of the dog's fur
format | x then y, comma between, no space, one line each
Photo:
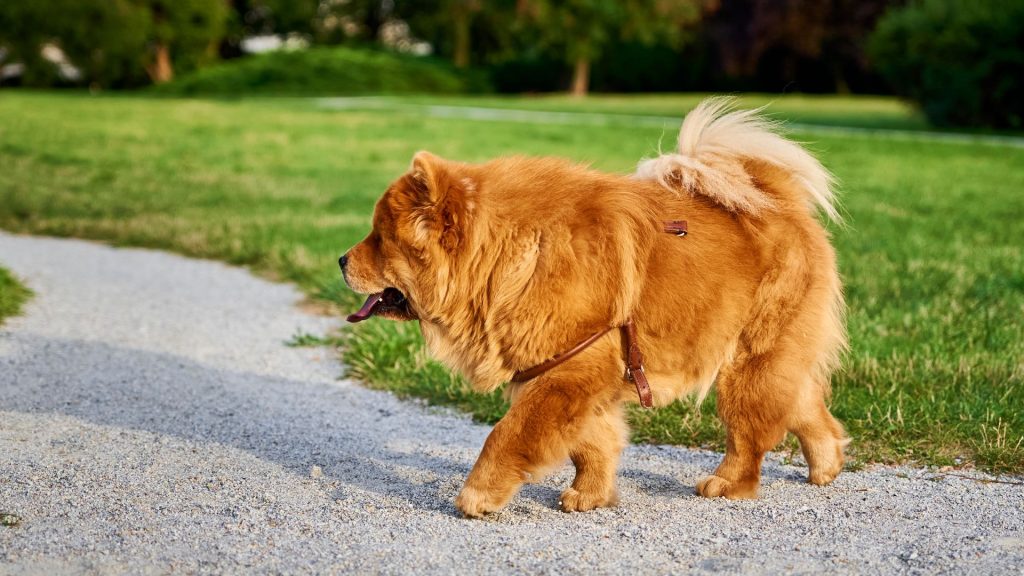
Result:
510,262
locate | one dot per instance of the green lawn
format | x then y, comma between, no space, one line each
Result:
13,295
856,111
932,256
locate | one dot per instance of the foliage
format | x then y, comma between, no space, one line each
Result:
531,70
963,62
190,29
581,29
364,18
327,22
936,369
584,27
247,18
814,43
108,42
111,42
324,71
285,16
450,25
105,40
23,31
12,295
527,45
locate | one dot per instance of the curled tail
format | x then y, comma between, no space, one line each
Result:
729,156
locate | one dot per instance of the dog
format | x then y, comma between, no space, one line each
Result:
587,290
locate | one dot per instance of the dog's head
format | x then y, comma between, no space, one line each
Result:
419,225
504,263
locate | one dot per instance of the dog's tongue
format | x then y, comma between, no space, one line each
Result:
367,310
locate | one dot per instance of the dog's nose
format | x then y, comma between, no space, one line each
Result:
342,262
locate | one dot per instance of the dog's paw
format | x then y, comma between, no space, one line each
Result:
825,476
573,500
714,486
824,469
474,503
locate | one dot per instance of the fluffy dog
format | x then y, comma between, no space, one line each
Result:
512,262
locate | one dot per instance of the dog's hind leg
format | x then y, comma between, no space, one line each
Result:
596,457
760,398
753,402
821,436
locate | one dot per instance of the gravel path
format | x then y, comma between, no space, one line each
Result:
152,421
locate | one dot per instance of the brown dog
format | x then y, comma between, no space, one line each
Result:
510,263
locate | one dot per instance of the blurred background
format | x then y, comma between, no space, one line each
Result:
960,61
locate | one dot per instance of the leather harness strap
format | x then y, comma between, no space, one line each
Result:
634,358
533,372
635,364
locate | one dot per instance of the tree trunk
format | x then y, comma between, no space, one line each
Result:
160,70
581,77
842,86
373,20
460,53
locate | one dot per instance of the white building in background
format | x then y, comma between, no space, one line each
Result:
65,69
271,42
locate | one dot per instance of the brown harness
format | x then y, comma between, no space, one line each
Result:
633,357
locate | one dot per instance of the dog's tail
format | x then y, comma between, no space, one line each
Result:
718,149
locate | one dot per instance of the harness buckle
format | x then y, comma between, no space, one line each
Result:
629,373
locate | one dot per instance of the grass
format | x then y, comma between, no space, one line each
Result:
851,111
323,71
13,294
933,259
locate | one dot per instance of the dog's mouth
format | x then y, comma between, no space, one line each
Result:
390,304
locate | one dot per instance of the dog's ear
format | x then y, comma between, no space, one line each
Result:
429,176
442,197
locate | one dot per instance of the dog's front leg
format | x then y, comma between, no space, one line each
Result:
545,423
501,469
596,457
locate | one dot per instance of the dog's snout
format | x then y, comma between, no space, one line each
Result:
343,261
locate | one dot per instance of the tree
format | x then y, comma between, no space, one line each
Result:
828,32
370,15
462,12
108,42
112,41
458,29
290,16
105,41
184,34
582,28
963,62
25,26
